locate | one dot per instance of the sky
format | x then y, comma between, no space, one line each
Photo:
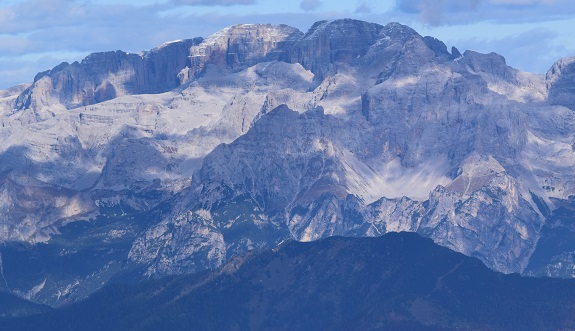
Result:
36,35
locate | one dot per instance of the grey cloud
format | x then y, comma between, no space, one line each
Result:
87,28
36,14
436,12
13,45
442,12
417,6
363,8
214,2
308,5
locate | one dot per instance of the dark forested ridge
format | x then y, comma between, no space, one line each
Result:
13,306
398,281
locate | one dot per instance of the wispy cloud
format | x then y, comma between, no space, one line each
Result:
363,8
32,15
308,5
51,25
441,12
214,2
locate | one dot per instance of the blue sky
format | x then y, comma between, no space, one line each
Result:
36,35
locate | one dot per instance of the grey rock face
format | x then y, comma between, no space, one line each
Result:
188,243
327,42
439,48
105,76
241,46
437,106
306,175
492,63
296,139
560,81
27,207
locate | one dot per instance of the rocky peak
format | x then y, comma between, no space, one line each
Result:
240,46
342,28
399,50
560,82
455,52
491,63
102,63
439,48
327,42
398,31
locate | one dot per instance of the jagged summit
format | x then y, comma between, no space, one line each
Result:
560,81
240,46
342,28
398,31
327,42
107,75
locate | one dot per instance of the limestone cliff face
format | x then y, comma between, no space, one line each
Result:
107,75
240,46
560,80
492,64
327,42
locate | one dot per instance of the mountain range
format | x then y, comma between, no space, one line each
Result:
176,160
